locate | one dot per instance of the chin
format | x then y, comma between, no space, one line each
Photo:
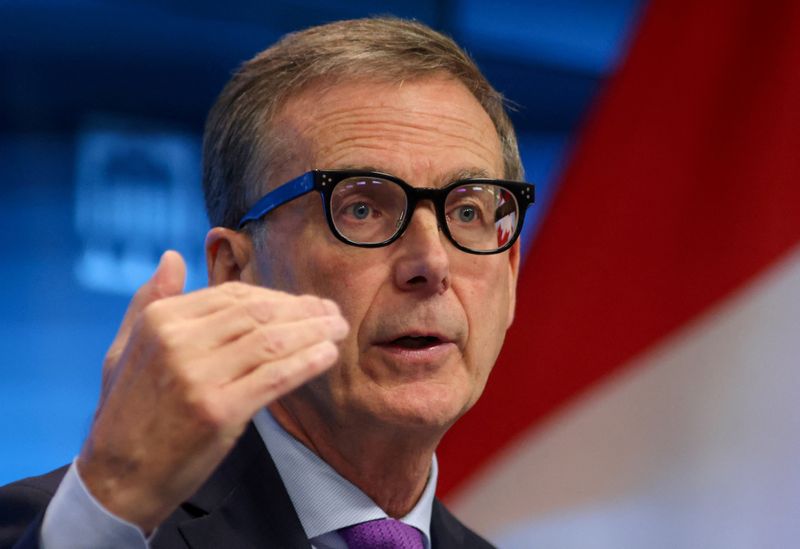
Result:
429,406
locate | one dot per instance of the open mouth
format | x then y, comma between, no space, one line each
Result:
415,342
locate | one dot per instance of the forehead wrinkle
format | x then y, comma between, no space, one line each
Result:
422,133
378,136
344,160
398,114
388,129
433,124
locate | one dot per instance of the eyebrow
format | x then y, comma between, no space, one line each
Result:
467,173
455,175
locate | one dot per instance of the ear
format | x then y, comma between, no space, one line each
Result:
513,275
229,256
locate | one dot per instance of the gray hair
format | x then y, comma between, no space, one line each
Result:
238,150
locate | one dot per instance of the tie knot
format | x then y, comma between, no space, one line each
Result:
382,534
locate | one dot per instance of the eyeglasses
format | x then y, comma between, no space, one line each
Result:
372,209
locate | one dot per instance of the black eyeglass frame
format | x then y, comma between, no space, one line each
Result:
324,182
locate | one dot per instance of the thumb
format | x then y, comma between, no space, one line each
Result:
168,280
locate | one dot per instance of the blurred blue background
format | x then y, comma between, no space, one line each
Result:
102,106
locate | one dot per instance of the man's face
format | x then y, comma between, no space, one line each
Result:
427,320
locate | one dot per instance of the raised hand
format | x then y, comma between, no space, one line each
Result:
185,374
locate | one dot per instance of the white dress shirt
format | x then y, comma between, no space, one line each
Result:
323,499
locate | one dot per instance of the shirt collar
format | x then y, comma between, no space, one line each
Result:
324,500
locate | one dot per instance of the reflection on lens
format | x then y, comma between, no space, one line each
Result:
367,210
481,217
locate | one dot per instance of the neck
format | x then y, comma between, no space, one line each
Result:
389,466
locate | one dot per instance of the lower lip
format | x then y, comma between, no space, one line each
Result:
423,356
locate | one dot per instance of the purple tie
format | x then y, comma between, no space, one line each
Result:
382,534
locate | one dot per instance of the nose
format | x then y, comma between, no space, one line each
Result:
422,263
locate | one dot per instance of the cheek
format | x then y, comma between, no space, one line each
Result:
483,283
485,294
352,280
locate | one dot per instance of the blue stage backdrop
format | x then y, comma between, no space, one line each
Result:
101,112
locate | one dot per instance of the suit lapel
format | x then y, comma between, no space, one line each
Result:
446,531
243,504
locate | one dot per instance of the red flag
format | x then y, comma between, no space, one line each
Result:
684,186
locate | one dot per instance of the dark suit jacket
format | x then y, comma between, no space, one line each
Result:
243,504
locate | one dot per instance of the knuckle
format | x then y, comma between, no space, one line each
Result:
208,410
260,310
155,311
279,382
152,318
323,355
235,289
298,369
270,343
164,339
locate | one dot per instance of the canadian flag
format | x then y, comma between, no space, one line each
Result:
648,394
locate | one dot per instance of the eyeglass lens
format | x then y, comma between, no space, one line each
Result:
480,216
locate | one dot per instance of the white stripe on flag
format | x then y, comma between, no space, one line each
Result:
694,444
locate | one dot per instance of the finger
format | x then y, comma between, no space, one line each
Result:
168,280
233,322
211,300
170,276
272,380
268,343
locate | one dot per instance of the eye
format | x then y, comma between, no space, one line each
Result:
466,214
361,210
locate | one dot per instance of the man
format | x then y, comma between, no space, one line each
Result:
353,314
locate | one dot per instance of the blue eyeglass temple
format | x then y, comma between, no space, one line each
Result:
283,194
